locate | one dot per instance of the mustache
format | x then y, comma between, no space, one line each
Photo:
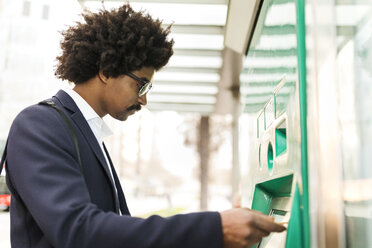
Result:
134,107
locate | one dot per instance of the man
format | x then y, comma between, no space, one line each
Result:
66,192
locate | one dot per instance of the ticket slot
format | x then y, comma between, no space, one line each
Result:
274,197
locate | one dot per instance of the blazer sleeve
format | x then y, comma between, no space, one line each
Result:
43,168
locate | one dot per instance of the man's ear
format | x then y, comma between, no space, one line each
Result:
102,77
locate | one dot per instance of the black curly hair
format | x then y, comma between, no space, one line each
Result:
114,42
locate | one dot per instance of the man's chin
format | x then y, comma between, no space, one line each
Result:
121,117
124,116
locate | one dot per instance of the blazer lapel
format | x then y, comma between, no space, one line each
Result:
122,202
83,125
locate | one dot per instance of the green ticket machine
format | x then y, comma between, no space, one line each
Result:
274,180
305,127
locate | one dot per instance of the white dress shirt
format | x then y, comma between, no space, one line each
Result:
96,124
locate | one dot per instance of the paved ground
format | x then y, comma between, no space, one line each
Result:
4,230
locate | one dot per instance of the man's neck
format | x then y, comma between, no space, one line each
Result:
90,91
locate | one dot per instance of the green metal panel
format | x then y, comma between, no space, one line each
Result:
261,200
280,140
295,234
265,192
301,56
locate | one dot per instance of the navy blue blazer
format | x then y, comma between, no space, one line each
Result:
54,205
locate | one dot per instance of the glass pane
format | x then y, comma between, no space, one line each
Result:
354,73
272,54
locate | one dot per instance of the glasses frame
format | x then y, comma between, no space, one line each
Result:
144,85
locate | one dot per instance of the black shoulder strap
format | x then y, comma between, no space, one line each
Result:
3,157
50,103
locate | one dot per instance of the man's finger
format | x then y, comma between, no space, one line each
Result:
268,225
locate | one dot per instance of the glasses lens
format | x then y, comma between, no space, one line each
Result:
146,86
145,89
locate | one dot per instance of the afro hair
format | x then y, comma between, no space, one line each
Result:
114,42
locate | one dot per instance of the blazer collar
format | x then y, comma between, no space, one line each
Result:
76,115
66,101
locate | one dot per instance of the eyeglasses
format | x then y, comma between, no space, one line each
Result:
145,85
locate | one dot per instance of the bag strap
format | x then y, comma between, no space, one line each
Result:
3,157
50,103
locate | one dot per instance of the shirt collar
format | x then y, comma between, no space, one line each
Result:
99,127
105,130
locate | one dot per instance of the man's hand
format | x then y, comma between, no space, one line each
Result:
243,227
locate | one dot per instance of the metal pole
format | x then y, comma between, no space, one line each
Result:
235,170
138,164
204,160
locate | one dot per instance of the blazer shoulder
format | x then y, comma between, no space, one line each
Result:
36,111
36,117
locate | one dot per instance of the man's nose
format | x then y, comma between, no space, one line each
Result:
142,100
